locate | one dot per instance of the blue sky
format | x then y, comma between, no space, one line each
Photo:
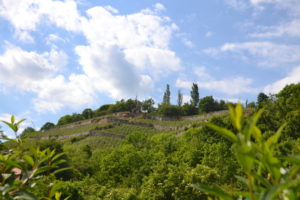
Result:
60,57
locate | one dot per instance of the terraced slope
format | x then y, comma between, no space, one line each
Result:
118,126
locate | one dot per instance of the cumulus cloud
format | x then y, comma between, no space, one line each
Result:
287,28
126,53
38,73
56,93
202,73
292,77
270,54
26,15
110,72
123,56
24,69
230,86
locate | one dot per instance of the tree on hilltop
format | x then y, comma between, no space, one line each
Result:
167,96
195,95
179,98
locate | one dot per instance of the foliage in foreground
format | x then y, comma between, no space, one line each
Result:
266,175
28,174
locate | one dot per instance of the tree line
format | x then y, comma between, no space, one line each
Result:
196,106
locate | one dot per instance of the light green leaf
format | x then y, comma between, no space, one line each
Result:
12,119
29,160
224,132
11,126
23,195
213,190
238,116
271,141
19,122
61,170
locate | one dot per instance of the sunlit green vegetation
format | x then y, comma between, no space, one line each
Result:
125,129
249,153
68,131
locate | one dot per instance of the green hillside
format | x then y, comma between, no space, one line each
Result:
137,155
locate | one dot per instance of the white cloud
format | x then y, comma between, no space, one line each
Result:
293,77
201,72
26,15
124,55
24,69
52,38
230,86
110,72
184,39
24,36
56,93
159,7
237,4
285,29
209,34
231,100
186,99
269,54
292,6
30,71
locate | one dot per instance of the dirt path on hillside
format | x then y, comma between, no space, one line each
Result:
86,133
123,121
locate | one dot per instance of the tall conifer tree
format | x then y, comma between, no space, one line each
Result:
167,95
195,95
179,98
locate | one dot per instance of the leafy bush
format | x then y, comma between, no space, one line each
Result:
265,175
24,173
167,110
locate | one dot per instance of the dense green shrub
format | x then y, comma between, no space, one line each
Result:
167,110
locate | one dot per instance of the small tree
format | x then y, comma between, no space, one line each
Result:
167,94
147,105
194,95
262,98
47,126
179,98
207,104
169,110
27,131
88,113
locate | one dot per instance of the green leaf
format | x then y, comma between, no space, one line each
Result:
12,119
29,159
273,191
57,195
11,126
58,156
271,141
19,122
61,170
224,132
262,180
213,190
23,195
42,169
11,163
295,159
238,116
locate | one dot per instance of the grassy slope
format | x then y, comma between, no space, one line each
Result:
73,145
